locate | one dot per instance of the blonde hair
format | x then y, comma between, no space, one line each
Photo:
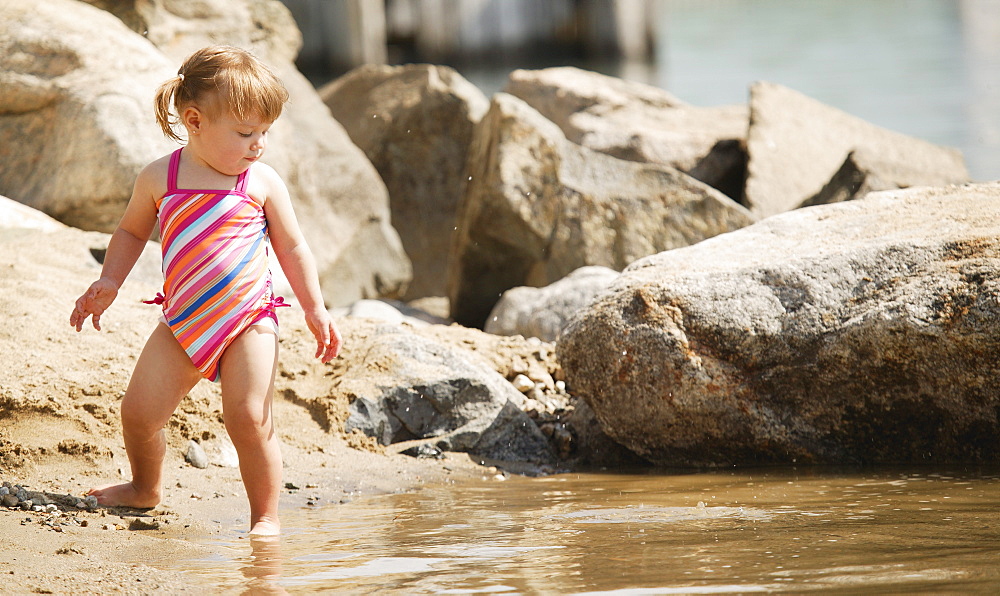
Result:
219,76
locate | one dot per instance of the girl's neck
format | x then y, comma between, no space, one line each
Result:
196,172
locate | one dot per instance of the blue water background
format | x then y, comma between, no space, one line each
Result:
926,68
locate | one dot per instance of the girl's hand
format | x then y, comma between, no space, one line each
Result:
93,303
328,339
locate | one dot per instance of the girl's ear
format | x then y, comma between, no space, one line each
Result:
192,119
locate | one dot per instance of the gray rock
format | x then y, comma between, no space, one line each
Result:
543,312
195,455
9,500
538,207
414,123
415,388
797,144
863,331
639,122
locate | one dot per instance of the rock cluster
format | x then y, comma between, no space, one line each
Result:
15,496
843,332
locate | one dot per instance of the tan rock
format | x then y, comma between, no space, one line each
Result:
415,124
797,144
76,111
19,216
639,122
539,206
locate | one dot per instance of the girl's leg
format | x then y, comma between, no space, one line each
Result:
163,376
248,368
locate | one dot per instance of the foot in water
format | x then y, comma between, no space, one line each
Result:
266,527
124,495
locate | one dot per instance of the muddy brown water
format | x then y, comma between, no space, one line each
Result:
742,531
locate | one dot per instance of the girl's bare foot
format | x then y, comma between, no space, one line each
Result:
265,527
124,495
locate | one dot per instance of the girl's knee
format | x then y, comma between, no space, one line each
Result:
137,420
244,424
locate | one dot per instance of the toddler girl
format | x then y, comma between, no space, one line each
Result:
217,207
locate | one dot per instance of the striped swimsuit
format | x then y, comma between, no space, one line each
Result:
215,268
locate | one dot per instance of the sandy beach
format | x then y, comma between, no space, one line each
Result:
61,435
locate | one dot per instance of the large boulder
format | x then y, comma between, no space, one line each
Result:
543,312
639,122
415,124
538,206
863,331
407,387
76,110
796,145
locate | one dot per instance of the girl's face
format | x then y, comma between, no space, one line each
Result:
228,144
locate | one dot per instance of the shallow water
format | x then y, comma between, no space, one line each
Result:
796,530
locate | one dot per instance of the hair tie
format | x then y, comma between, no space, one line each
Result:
180,76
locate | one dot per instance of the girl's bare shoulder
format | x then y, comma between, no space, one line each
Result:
152,179
265,183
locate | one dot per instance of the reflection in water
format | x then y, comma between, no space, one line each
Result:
264,570
746,531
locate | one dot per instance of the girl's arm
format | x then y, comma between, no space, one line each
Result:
124,248
297,262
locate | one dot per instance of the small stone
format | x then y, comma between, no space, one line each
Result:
27,504
90,501
141,523
522,383
9,500
196,455
4,490
291,486
424,451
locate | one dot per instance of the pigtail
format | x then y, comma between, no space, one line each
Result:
163,101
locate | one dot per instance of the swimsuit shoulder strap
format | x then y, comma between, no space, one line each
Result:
175,162
241,182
